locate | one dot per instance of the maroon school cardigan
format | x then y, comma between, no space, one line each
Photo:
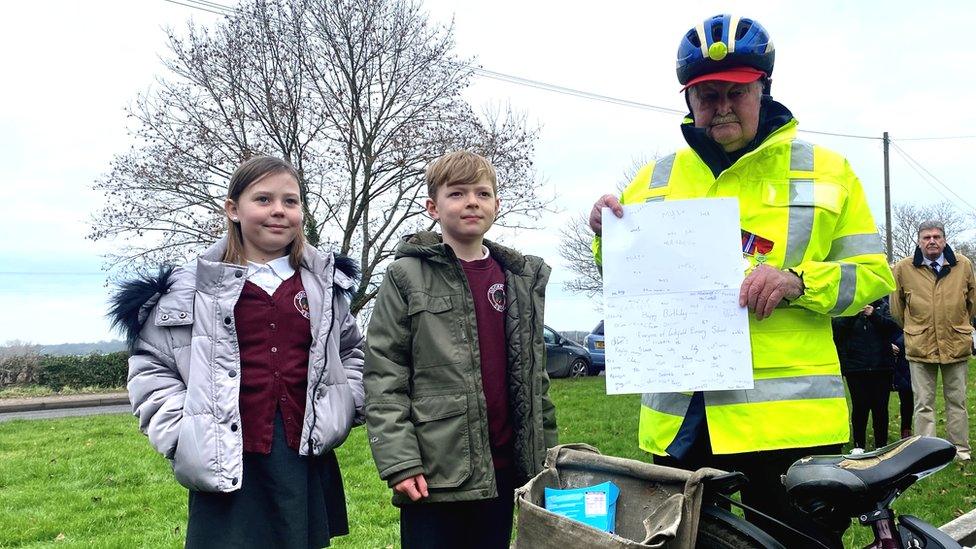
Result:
275,335
487,282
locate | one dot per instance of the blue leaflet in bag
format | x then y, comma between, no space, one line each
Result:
595,506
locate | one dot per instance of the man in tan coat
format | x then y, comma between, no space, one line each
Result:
934,301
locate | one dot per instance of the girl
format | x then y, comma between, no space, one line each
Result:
246,371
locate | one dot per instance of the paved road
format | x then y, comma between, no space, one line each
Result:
67,412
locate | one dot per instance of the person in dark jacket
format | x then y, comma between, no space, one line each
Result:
867,362
902,376
903,385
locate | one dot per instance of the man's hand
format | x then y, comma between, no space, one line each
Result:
765,287
894,349
868,310
596,214
414,487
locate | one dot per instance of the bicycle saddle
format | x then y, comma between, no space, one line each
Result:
858,484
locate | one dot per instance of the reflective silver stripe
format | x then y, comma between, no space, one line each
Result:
784,388
800,222
848,285
801,156
662,172
853,245
673,404
654,199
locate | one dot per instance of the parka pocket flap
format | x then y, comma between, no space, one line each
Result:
803,193
426,409
915,330
967,329
432,304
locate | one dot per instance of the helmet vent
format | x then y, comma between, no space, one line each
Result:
693,38
743,28
717,31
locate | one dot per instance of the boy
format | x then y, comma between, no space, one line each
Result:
457,403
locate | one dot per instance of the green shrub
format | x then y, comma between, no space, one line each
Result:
94,370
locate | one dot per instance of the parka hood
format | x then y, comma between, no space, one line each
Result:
133,300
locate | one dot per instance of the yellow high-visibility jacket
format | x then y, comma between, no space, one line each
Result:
807,201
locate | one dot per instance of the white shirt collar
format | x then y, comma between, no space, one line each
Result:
268,276
280,267
940,260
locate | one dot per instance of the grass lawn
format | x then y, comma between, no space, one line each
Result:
95,482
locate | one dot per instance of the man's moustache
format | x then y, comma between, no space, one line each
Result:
724,121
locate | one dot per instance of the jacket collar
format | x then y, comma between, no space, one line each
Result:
919,259
207,274
210,269
429,245
773,117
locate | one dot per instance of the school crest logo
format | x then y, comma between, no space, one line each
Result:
496,296
301,303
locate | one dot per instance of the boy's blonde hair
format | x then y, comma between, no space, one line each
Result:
459,167
248,173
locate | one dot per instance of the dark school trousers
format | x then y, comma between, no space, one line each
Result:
869,395
906,407
765,492
479,524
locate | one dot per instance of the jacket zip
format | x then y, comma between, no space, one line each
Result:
325,362
470,340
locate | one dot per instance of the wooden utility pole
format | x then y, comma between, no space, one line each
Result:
887,187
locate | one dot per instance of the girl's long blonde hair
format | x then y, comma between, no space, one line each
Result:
248,173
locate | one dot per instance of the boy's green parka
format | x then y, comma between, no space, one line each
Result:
425,406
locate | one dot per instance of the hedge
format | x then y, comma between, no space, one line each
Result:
94,370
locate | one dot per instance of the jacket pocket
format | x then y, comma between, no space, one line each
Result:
192,461
960,344
821,194
919,340
435,330
441,425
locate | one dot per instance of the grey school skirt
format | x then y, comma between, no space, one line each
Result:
286,500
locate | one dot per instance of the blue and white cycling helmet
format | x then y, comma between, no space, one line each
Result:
725,47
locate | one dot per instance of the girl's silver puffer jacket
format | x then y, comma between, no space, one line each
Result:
184,372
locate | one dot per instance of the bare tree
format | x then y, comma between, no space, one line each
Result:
358,94
575,244
574,247
905,219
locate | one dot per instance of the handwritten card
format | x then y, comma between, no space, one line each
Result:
671,277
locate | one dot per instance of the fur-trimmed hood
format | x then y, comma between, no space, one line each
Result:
133,300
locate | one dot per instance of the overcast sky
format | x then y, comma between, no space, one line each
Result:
856,68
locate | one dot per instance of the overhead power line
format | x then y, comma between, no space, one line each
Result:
850,135
943,138
207,5
928,176
203,7
569,91
215,5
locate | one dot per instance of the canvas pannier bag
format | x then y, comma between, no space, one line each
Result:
657,506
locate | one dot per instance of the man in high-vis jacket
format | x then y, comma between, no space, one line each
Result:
813,253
